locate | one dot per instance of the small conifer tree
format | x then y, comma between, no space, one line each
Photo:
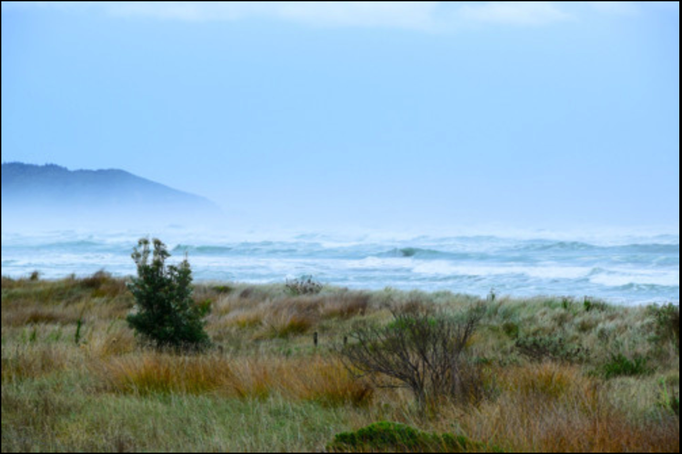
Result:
166,314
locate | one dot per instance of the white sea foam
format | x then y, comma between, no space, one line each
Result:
638,277
441,267
628,267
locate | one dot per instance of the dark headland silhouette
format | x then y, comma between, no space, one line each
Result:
35,195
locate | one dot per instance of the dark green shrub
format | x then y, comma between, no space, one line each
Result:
166,314
511,329
620,365
386,436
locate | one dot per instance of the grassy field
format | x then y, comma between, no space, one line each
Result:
559,374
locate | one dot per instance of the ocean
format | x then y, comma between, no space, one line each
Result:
632,268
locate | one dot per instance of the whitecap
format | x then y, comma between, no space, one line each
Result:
643,277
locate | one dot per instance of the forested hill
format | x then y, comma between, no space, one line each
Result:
33,190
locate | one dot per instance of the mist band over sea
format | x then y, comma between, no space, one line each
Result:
624,269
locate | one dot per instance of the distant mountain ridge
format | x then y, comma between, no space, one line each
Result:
29,189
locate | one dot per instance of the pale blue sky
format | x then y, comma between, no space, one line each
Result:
536,114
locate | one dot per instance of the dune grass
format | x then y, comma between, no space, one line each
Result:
562,375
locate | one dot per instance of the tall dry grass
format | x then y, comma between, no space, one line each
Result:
35,360
554,407
287,316
270,389
316,379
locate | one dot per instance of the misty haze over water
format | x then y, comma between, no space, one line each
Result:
60,222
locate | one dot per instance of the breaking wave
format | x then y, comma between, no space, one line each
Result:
625,269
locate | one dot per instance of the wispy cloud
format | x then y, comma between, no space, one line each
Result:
513,13
427,16
413,15
409,15
418,16
627,8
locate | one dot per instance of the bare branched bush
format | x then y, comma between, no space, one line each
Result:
422,350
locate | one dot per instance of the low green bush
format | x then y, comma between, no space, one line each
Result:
620,365
511,329
387,436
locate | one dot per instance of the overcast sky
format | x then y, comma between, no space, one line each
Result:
535,114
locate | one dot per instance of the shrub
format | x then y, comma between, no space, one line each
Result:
166,314
305,285
591,305
387,436
540,348
619,365
667,319
422,351
511,329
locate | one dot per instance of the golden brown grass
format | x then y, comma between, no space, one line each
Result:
555,408
325,380
153,372
34,360
322,380
35,313
285,317
269,389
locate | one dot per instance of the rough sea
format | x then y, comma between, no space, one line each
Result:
633,268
